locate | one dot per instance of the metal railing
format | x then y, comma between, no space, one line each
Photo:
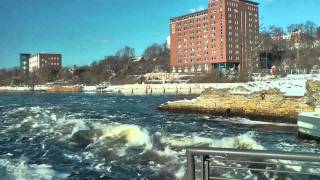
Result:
217,163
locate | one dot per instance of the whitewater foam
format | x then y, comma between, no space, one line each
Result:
132,135
244,141
19,169
110,139
181,142
249,122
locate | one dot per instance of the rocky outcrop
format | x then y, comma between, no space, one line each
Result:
269,105
312,96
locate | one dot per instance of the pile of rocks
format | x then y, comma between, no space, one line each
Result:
312,96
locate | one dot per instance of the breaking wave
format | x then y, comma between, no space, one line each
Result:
164,154
116,145
246,121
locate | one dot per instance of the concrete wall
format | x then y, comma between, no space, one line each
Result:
137,89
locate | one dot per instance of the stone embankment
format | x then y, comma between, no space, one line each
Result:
64,89
270,105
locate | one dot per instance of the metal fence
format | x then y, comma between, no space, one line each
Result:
231,164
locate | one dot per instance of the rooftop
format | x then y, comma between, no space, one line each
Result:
44,54
198,13
250,2
246,1
178,18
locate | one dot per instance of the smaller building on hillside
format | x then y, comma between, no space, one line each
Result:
45,61
24,62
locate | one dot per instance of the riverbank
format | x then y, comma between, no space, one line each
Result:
169,89
42,88
269,105
128,89
292,85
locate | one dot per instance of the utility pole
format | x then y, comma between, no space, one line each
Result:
298,53
266,60
297,45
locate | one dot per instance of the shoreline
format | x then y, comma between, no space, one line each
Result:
292,85
127,89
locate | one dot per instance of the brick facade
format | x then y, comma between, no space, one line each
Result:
221,36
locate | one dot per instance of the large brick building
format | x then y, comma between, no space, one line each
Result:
44,61
222,36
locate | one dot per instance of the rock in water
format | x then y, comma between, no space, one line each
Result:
267,105
84,137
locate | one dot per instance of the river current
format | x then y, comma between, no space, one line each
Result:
97,136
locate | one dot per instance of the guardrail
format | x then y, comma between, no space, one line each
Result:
231,164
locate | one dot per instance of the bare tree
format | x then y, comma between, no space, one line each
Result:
310,28
152,51
318,33
294,27
276,31
126,53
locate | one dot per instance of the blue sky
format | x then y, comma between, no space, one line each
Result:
84,31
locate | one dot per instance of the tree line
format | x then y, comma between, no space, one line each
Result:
300,52
122,67
272,49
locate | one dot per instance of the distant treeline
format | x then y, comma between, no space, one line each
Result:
291,54
272,49
123,67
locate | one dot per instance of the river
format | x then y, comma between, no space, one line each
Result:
100,136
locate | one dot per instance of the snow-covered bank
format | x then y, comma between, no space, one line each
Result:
292,85
13,89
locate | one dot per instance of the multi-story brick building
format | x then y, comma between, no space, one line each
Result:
222,36
44,61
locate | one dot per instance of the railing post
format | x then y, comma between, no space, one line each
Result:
191,166
205,167
249,156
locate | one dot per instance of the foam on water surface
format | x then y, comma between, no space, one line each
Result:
110,142
19,169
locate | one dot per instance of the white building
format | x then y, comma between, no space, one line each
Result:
40,61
